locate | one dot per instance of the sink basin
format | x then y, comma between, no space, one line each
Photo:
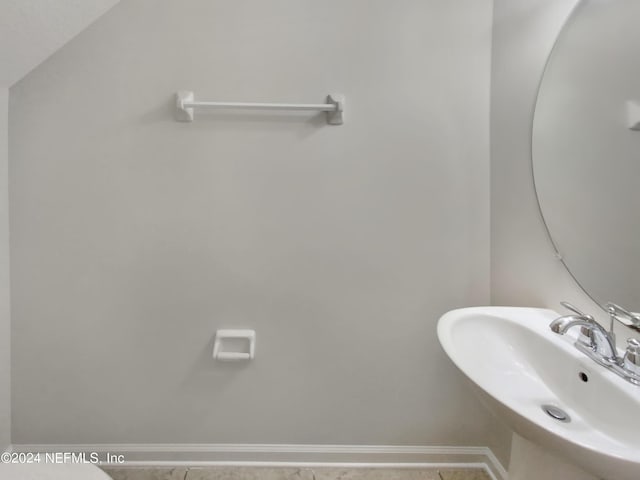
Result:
517,365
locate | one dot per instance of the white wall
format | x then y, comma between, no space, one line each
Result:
5,333
136,237
31,30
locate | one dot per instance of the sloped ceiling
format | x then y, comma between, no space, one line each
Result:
31,30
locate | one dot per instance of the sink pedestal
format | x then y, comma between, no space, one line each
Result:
530,462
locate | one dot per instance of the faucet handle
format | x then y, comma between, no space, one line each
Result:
615,310
631,359
633,346
587,337
576,310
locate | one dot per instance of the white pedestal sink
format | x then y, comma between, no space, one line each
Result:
518,365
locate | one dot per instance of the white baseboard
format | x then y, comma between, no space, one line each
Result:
352,456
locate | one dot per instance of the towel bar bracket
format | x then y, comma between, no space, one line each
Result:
183,113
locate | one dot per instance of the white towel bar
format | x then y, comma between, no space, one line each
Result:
334,107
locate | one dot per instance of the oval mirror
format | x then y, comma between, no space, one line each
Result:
586,149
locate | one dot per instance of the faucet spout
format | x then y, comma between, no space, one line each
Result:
603,341
561,325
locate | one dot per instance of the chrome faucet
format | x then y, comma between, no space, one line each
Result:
594,339
561,325
599,344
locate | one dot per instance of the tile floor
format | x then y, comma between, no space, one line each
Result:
266,473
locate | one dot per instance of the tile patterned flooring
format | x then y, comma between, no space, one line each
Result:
303,473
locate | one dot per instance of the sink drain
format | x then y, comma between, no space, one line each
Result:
556,413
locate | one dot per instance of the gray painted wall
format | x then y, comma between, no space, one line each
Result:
31,30
5,334
135,237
